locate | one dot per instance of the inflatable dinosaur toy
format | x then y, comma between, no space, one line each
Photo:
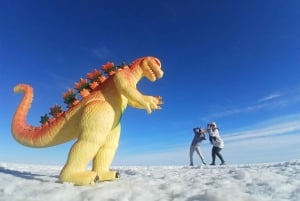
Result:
94,121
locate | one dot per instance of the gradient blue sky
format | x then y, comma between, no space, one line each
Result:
233,62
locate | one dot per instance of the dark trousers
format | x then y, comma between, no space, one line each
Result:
216,152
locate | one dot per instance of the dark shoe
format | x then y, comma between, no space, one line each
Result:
212,164
223,163
204,163
191,164
96,180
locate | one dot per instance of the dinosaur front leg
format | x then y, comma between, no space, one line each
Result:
105,156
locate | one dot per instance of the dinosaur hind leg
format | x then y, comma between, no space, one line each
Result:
74,170
105,155
93,128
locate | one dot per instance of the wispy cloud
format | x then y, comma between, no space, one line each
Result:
269,97
235,111
271,101
267,131
101,52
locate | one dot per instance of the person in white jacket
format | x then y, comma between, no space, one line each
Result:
217,142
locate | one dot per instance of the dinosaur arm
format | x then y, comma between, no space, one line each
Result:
151,102
126,84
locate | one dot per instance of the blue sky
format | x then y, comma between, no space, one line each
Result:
233,62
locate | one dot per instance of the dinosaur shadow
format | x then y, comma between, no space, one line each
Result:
27,175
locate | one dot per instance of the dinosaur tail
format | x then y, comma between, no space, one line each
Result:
32,136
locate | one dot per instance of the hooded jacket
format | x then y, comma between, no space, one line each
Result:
215,138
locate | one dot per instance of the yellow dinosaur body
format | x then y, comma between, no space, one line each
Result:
94,122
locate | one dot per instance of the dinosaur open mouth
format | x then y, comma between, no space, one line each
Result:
152,72
152,69
155,73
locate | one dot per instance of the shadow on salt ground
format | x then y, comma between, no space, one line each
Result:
26,175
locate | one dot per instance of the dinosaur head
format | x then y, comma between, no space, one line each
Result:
151,68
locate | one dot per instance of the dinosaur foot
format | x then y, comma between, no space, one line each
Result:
80,178
109,176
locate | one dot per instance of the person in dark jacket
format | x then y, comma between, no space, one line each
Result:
199,136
